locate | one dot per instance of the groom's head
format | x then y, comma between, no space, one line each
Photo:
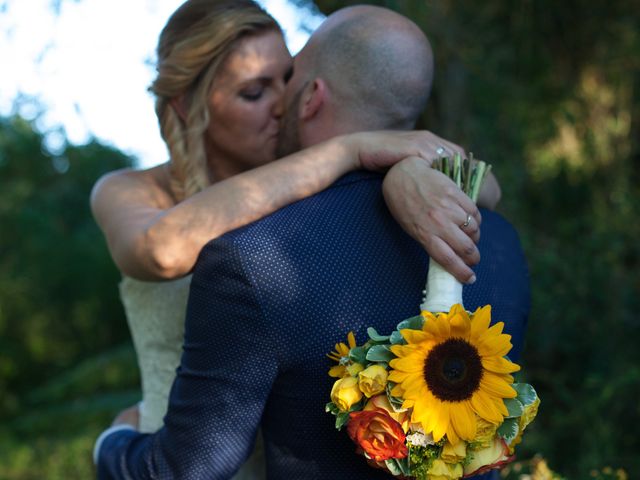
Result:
364,68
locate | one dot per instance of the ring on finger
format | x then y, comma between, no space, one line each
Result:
467,221
440,150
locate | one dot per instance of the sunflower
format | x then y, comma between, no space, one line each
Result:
453,371
341,355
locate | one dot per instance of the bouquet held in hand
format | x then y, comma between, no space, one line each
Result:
435,399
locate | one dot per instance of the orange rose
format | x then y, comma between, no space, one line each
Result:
377,434
381,401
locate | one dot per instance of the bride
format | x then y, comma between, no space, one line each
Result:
222,68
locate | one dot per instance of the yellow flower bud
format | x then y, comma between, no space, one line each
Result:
373,380
454,453
345,393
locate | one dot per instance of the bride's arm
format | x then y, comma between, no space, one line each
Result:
152,238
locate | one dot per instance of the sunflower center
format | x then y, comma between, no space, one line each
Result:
452,370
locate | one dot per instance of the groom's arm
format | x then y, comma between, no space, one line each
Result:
226,372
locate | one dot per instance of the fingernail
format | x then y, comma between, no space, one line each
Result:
472,280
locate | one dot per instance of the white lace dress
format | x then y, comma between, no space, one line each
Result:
155,313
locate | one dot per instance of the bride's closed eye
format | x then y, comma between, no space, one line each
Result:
252,94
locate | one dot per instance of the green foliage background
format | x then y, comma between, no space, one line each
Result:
66,363
548,92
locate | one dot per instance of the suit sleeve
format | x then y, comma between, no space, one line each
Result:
227,369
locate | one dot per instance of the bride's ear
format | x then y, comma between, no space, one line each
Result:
313,99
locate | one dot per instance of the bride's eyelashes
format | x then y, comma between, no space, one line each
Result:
252,95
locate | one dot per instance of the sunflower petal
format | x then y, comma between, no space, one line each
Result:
496,386
463,420
498,345
502,408
414,336
480,321
499,365
485,408
460,326
441,418
397,391
411,363
398,376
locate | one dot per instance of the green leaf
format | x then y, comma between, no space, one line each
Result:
393,466
403,463
358,355
332,408
375,336
396,338
514,406
380,353
509,429
413,323
341,420
526,394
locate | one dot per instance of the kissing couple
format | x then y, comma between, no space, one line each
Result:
287,256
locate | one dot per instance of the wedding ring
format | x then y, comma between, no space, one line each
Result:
466,224
440,150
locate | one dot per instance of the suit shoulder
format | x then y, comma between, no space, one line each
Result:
494,221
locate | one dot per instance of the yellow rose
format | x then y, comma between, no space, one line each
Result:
454,453
381,401
345,393
373,380
355,369
485,432
440,470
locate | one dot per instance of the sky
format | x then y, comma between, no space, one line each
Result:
84,73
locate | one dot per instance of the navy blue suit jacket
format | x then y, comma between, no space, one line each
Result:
267,303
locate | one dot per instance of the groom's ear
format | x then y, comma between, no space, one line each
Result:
313,99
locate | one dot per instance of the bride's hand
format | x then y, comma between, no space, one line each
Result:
382,149
129,416
433,210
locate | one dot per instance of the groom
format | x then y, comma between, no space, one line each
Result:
268,301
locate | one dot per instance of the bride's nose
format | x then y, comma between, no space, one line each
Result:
277,109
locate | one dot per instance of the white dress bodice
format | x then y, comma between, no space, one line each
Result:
156,312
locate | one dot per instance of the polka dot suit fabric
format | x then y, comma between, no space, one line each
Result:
267,303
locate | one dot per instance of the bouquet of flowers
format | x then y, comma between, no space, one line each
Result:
435,399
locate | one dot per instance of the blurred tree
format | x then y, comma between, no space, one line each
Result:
58,285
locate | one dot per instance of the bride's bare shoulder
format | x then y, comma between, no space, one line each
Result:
150,186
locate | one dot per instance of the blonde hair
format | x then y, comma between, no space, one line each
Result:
196,40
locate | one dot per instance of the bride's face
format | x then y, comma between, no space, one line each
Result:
245,104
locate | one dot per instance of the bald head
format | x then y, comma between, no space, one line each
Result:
377,64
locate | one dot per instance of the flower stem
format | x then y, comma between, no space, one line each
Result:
443,290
